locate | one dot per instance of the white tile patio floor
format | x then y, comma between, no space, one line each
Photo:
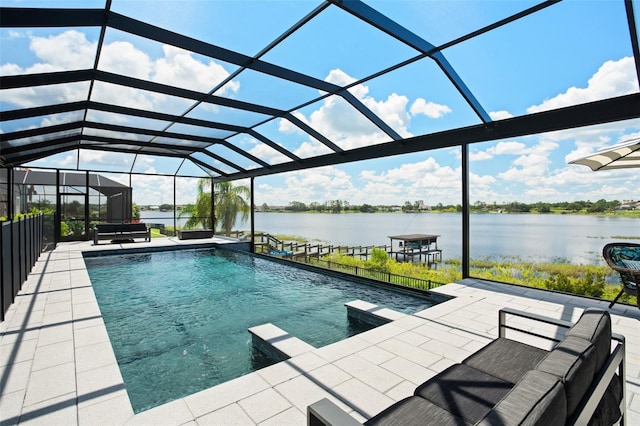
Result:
58,367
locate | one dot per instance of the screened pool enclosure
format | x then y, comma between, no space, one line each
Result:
250,90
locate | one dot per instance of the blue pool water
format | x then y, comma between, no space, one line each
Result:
178,320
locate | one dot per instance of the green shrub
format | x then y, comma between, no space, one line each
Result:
378,260
584,280
64,229
590,285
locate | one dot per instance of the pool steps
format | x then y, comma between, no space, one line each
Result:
279,345
276,343
371,314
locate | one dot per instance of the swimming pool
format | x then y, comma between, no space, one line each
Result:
178,320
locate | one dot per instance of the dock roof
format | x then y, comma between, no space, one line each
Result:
414,237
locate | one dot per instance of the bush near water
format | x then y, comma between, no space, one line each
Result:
583,280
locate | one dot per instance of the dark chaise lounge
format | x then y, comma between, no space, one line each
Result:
579,382
194,234
120,232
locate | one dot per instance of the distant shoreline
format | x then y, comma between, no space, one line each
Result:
627,213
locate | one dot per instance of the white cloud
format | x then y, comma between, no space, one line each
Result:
481,181
311,149
614,78
65,51
307,186
10,69
346,127
67,117
71,50
393,111
538,193
132,98
68,161
268,154
480,156
522,171
501,148
156,190
500,115
341,78
105,159
179,68
509,148
371,175
327,179
341,123
286,126
122,57
430,109
13,34
424,180
145,163
409,172
530,168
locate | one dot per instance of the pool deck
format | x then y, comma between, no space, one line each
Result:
58,366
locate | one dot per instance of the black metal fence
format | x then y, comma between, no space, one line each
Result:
22,242
402,280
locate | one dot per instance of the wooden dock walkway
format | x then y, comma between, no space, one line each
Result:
268,244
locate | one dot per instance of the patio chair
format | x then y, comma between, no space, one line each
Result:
624,258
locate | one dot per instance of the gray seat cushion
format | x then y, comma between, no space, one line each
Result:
538,399
573,361
105,227
506,359
122,227
594,325
414,411
138,227
464,391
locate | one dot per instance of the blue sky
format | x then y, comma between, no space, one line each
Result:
573,52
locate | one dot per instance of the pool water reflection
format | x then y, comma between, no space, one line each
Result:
178,320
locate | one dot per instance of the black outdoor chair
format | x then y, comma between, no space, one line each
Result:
624,258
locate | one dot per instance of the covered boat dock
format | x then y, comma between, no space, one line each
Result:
411,245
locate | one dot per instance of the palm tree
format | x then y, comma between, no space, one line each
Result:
200,211
229,201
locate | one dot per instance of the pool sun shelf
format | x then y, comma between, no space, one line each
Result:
371,314
279,345
276,343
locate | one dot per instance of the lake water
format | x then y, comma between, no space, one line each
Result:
535,237
165,218
577,239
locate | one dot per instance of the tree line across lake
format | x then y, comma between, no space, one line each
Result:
343,206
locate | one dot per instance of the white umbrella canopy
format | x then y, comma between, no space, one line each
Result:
620,156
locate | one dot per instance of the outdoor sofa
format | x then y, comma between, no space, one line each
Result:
580,381
120,231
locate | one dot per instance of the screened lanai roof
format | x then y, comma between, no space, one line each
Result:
235,89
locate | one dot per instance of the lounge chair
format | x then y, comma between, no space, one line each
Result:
624,258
